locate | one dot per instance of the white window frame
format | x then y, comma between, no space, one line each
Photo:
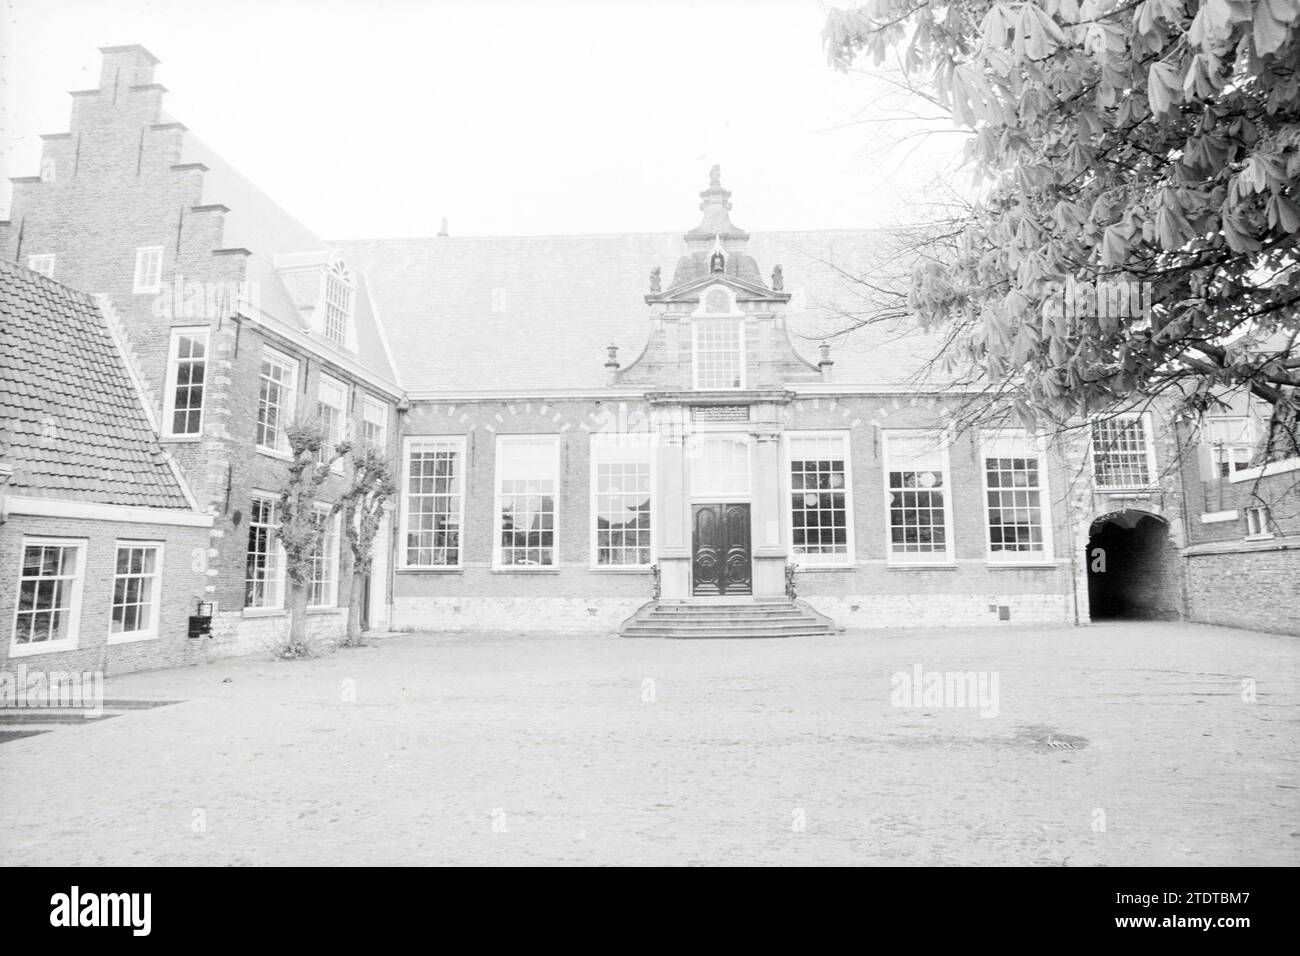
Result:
614,447
1016,443
287,408
1258,523
925,559
155,598
845,438
339,432
696,326
370,408
330,560
701,493
277,546
173,369
1222,452
501,442
409,443
338,294
148,270
42,263
74,606
1150,450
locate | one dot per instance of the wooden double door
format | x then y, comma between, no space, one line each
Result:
721,562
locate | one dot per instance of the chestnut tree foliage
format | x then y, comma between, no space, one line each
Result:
1147,141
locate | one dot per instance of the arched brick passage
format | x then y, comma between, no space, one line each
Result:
1132,568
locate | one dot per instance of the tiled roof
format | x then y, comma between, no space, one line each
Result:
71,422
473,314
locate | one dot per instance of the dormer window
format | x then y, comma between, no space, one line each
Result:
718,338
339,292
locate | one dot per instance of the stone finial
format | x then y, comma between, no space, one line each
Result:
656,279
611,363
443,230
826,363
778,278
715,177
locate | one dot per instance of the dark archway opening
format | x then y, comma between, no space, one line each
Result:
1132,571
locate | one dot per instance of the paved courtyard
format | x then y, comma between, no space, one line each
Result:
1116,744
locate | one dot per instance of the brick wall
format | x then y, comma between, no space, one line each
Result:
183,582
1257,589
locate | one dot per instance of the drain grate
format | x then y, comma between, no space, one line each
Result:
1038,737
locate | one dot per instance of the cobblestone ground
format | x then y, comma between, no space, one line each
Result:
535,749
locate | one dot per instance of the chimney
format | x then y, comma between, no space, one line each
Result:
125,66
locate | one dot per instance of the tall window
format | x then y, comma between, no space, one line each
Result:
275,400
528,477
1232,443
820,515
719,353
1122,455
44,264
263,575
920,523
338,302
331,406
374,424
719,466
187,362
137,582
49,594
435,502
621,500
1015,496
322,576
148,269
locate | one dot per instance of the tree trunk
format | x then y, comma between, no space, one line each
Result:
297,644
355,597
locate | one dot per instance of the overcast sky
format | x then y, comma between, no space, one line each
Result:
375,118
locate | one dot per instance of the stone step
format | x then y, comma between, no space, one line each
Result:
797,627
677,634
749,616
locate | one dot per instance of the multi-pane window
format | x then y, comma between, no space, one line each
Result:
148,269
527,482
275,400
187,363
621,487
1232,443
322,560
1122,453
719,466
435,497
136,583
331,407
1259,522
1014,496
374,424
916,469
262,578
49,592
44,264
819,499
338,302
719,354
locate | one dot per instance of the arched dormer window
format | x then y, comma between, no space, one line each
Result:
340,291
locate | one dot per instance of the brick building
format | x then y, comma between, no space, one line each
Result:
99,536
662,433
236,318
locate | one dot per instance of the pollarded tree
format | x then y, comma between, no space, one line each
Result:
362,506
301,529
1153,142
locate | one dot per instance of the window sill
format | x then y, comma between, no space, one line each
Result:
1127,489
147,291
272,453
616,569
114,639
814,568
45,647
180,439
1020,565
525,570
430,569
1267,536
934,566
324,609
265,612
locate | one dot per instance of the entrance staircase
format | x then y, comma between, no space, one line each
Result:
723,618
